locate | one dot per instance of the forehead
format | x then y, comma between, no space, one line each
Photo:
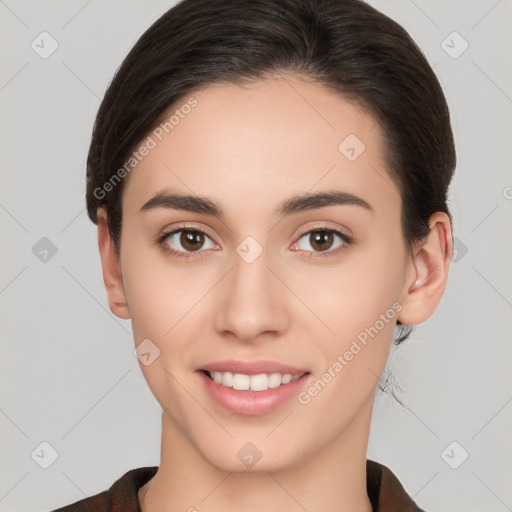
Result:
250,146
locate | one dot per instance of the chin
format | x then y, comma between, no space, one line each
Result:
261,468
253,458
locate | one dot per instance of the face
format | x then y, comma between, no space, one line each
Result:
259,275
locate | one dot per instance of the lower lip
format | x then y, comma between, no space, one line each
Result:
252,403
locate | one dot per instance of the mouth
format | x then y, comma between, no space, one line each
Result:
258,382
252,388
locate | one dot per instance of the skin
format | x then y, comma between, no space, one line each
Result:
250,148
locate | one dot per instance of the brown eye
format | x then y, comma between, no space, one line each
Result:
322,240
191,240
183,242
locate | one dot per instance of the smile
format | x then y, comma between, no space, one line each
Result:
259,382
252,387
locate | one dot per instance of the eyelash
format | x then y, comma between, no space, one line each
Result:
347,241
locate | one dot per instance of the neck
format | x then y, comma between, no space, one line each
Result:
334,478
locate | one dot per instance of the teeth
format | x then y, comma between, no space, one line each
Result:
260,382
286,379
241,382
226,379
274,380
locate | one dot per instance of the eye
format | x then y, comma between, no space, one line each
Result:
323,240
186,240
190,240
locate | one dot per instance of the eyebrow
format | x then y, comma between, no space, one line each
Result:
298,203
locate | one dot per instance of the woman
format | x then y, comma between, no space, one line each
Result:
269,180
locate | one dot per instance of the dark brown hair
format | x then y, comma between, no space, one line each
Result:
346,46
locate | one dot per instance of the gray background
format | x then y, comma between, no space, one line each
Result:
68,374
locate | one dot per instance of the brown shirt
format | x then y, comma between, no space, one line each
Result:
384,490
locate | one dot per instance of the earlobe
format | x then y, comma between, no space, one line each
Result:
428,273
112,276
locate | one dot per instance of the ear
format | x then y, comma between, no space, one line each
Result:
428,272
110,263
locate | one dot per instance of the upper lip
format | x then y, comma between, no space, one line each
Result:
252,367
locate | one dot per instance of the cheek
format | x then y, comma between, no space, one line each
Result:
158,293
358,302
353,358
167,306
161,301
352,293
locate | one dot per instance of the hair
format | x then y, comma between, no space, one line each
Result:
346,46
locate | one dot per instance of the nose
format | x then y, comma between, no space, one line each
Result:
252,301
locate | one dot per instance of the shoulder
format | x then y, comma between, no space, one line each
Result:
385,491
122,496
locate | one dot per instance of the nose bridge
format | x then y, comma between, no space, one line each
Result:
253,302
